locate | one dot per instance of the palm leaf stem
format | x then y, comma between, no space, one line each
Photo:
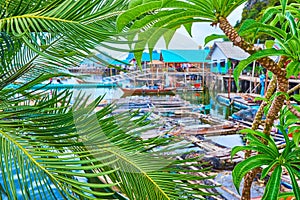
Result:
140,170
33,160
292,109
292,90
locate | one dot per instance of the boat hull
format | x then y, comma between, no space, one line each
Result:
145,91
237,100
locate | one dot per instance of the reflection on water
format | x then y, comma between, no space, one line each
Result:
33,181
213,108
227,140
108,93
202,98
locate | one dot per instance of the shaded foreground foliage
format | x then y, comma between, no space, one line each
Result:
51,143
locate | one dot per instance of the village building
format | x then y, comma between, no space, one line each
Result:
145,60
225,55
185,60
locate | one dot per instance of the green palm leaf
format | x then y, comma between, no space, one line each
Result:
214,37
296,188
266,170
42,176
92,24
170,15
273,185
242,168
66,146
260,54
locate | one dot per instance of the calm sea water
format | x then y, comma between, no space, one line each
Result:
198,98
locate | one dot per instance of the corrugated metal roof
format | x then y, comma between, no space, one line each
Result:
107,59
185,56
117,62
95,62
229,50
145,56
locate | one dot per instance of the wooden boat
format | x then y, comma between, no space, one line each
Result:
148,91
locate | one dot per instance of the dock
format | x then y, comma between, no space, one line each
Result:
179,115
214,130
177,119
215,155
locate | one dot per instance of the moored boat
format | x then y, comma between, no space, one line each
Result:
245,114
149,91
238,100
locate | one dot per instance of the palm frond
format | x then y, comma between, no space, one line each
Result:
52,146
84,24
64,146
151,20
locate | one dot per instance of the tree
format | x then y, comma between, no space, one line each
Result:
52,147
254,10
161,18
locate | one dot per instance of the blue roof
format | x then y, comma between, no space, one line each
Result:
145,56
117,62
184,56
94,62
130,57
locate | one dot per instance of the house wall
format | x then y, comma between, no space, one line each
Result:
218,55
217,58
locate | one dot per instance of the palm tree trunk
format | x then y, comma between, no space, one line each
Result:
267,63
237,40
257,121
277,104
283,86
260,111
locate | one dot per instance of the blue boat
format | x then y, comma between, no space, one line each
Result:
245,114
238,100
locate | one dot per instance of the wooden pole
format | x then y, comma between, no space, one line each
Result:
134,82
203,75
152,71
229,83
